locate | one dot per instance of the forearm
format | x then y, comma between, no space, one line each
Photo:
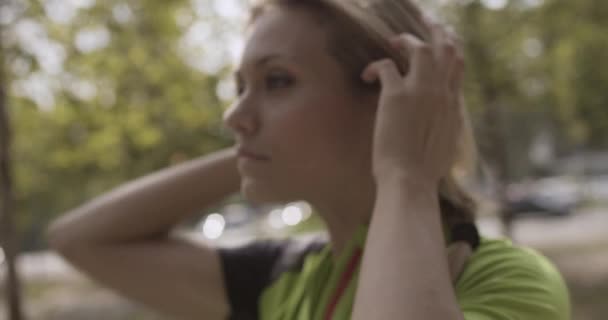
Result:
404,273
150,206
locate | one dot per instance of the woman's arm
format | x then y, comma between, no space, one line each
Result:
122,239
404,272
147,208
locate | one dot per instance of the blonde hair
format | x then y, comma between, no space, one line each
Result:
359,31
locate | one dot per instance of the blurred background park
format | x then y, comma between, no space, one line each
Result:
95,93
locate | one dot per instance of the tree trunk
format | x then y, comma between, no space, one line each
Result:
8,236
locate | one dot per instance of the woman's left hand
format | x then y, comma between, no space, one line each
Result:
418,119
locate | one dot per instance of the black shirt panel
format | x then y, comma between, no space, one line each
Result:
249,269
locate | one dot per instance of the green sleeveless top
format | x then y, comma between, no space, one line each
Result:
500,282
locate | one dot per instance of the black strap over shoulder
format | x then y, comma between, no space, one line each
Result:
466,232
249,269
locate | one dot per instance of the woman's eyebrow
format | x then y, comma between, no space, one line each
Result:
262,60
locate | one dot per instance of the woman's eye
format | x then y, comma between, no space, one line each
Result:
278,81
240,88
239,85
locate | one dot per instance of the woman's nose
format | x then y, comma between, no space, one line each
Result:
241,119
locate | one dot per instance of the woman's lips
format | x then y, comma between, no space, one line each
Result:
245,153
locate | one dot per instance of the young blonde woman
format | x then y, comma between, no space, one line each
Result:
353,106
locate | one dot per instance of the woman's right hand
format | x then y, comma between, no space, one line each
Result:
418,121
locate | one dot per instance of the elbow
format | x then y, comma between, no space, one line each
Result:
60,237
55,237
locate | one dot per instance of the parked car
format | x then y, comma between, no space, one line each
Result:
553,196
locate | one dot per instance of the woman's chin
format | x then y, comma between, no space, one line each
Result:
258,193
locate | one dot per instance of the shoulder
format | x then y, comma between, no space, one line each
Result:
249,269
505,281
274,255
296,250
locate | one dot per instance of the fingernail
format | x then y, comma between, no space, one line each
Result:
368,76
364,75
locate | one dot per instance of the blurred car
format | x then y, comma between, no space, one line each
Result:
553,196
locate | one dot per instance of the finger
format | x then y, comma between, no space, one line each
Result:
452,58
420,53
408,42
456,75
447,58
456,39
437,36
444,44
385,70
427,21
458,255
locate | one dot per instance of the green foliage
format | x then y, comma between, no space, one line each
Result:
148,109
536,64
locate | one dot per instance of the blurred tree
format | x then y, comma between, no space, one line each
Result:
532,70
104,94
493,85
574,35
533,64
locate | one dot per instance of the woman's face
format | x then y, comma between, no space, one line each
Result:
296,109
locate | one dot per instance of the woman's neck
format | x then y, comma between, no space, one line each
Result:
344,212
